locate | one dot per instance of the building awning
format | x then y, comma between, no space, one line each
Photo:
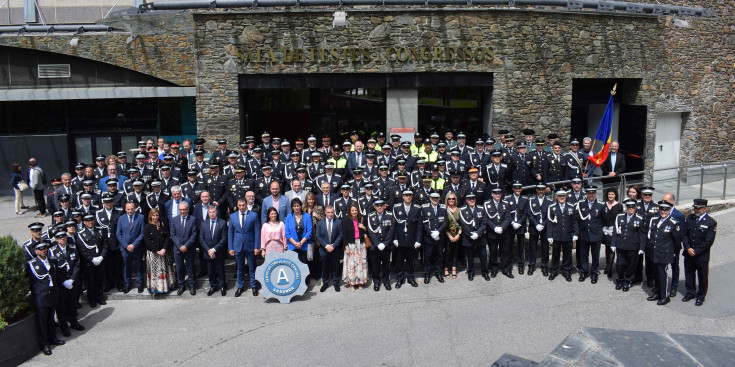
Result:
48,94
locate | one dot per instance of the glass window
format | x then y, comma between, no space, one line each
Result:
442,108
84,149
104,145
127,143
278,99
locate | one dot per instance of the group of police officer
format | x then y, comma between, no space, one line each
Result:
399,186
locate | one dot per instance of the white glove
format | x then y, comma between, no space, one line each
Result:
499,230
395,242
68,283
613,249
516,225
97,260
640,252
474,235
539,228
381,247
551,240
416,245
574,238
435,235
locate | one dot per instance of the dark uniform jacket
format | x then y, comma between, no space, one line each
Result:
590,220
434,222
44,282
663,240
561,225
497,177
158,203
90,245
479,190
700,235
192,191
472,220
573,165
107,226
521,167
497,217
236,189
408,224
629,235
554,168
341,205
517,207
335,181
647,214
217,187
381,231
68,261
537,213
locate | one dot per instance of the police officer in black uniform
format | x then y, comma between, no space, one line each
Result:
407,237
216,184
193,187
237,187
561,231
381,229
343,203
93,249
700,235
69,276
497,219
647,209
29,246
589,214
43,274
472,220
664,236
434,224
517,206
628,241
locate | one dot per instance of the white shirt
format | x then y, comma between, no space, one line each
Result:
613,158
32,179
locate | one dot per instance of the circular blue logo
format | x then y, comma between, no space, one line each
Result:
282,276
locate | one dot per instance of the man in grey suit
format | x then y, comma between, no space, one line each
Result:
65,188
184,234
213,239
296,192
276,200
37,182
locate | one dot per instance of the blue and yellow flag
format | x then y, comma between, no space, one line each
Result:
604,134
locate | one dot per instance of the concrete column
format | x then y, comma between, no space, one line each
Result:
402,108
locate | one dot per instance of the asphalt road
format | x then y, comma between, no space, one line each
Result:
455,323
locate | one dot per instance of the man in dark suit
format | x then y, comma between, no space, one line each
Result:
329,235
381,225
700,235
129,234
184,235
454,185
614,165
475,186
243,240
407,239
326,197
434,224
213,239
43,275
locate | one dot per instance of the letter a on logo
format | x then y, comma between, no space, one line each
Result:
282,278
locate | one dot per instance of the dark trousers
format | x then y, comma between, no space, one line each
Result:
330,265
450,253
240,260
216,270
204,261
135,258
639,270
506,254
95,278
520,244
433,256
651,272
661,281
40,201
625,265
303,257
405,256
114,269
185,266
494,245
481,250
67,308
696,272
46,328
586,248
381,266
561,248
533,241
675,272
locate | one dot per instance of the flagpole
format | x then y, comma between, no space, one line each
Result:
592,148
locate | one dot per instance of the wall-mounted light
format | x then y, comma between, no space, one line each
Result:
74,42
340,19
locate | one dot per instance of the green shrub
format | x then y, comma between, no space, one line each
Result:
14,304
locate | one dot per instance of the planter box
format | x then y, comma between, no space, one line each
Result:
19,342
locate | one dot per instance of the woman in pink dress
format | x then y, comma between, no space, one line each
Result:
272,234
354,267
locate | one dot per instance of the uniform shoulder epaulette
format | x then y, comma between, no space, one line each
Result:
503,165
674,221
397,205
425,205
442,206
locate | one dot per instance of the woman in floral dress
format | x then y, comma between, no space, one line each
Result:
354,268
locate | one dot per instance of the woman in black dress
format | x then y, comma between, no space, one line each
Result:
612,209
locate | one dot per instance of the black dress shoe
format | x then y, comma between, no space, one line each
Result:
255,292
65,329
672,293
531,269
687,298
552,276
140,289
193,292
626,287
655,297
471,277
609,275
102,302
663,301
223,292
58,342
126,290
413,283
568,277
181,291
211,291
239,292
120,289
520,269
77,326
324,287
92,305
508,274
398,285
582,277
336,287
426,280
593,278
440,278
486,277
46,350
699,302
545,272
376,287
493,273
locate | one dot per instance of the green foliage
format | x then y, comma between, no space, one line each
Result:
14,286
